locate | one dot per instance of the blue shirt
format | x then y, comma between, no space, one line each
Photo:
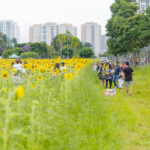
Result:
117,70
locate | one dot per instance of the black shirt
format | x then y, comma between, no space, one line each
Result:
128,73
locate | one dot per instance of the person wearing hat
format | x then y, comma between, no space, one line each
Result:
63,66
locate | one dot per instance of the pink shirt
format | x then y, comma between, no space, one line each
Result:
122,66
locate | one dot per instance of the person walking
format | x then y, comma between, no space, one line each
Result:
116,74
109,76
122,65
102,74
127,75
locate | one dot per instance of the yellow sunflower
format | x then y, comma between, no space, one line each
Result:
4,90
74,73
68,76
39,77
32,85
19,92
42,69
4,74
64,70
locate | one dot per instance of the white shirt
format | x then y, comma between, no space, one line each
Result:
62,67
120,82
17,67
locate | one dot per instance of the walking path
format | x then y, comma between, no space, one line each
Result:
135,112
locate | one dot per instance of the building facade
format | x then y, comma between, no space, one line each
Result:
10,28
104,46
46,32
91,32
143,4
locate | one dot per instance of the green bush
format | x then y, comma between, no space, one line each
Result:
29,55
86,52
8,53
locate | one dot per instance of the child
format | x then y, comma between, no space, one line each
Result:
120,82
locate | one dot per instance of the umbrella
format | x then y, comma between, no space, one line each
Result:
14,56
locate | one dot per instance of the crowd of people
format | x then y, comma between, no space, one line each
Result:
18,67
110,73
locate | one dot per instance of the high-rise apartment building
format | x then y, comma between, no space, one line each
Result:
143,4
104,46
91,32
46,32
64,27
10,28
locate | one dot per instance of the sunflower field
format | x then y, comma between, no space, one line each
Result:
36,113
70,112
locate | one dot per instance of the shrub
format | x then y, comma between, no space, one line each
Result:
29,55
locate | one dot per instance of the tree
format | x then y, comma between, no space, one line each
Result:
3,40
14,41
43,48
119,41
1,50
18,50
54,43
10,52
29,55
61,38
69,53
68,34
50,51
86,52
26,48
88,45
75,43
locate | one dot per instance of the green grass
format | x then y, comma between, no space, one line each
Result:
76,115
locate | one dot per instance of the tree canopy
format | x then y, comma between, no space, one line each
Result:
127,30
86,52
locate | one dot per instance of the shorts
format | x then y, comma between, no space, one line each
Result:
129,83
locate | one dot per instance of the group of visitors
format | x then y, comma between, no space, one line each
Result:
144,61
17,65
111,73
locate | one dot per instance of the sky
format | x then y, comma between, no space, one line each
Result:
76,12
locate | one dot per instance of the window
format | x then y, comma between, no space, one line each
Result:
1,26
44,33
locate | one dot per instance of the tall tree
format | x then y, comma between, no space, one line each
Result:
68,34
50,51
86,52
75,42
61,38
3,40
121,10
88,45
14,41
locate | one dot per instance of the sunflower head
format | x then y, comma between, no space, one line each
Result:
4,90
42,69
19,92
64,70
39,77
4,74
75,74
32,85
68,76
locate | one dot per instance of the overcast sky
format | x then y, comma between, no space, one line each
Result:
76,12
